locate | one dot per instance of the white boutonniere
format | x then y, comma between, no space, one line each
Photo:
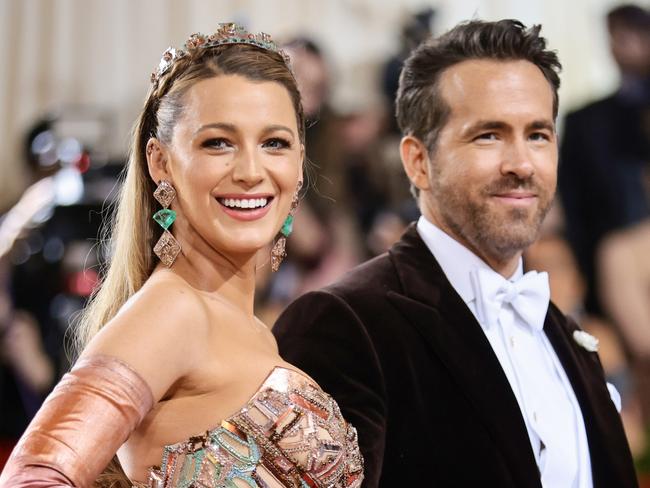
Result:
589,342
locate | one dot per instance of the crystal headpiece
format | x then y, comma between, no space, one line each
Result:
228,33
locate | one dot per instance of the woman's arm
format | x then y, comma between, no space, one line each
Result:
127,367
87,417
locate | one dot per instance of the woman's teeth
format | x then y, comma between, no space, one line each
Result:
244,202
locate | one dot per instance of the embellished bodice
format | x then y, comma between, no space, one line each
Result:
289,434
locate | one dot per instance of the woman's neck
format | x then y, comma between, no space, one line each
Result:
230,277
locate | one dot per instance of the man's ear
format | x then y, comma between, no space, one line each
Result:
415,159
157,159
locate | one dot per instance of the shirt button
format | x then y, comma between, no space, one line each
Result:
512,342
535,416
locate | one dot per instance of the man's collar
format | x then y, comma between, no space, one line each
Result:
456,260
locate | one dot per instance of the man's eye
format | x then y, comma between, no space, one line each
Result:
487,136
277,143
539,136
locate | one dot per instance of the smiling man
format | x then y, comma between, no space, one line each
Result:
449,360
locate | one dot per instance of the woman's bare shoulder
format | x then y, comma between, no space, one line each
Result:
159,331
167,299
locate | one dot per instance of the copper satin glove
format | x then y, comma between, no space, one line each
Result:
80,426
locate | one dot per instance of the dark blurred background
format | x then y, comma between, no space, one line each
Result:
75,73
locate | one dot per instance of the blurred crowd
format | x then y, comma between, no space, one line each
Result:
595,246
596,250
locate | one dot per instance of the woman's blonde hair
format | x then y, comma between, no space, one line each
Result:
131,230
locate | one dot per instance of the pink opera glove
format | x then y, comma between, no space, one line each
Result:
81,425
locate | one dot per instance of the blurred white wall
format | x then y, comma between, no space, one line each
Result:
100,52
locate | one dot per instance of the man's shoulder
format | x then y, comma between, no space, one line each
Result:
371,278
593,109
360,291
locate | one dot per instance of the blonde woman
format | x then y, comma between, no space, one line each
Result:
176,374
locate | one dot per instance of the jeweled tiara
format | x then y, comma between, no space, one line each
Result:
228,33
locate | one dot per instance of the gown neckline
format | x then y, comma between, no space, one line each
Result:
287,417
252,397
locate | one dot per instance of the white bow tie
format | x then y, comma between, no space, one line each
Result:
529,296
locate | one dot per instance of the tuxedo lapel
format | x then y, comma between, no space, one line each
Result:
432,306
602,421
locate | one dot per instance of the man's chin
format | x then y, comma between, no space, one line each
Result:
512,232
515,240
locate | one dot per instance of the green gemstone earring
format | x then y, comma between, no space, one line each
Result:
278,251
167,247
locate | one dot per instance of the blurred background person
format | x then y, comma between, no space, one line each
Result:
48,262
27,371
605,149
623,261
605,159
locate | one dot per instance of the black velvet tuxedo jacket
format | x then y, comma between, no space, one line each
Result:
413,371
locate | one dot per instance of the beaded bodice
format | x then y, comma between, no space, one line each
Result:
289,434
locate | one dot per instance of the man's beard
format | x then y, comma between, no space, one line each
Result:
498,232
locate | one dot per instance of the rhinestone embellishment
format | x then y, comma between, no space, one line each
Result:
165,193
227,33
278,253
290,434
167,248
165,217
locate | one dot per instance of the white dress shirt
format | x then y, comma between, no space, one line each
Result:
545,396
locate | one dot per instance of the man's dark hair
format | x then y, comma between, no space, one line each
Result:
420,108
630,17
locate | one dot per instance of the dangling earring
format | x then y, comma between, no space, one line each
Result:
278,251
167,248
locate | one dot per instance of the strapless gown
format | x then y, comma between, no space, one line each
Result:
289,434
